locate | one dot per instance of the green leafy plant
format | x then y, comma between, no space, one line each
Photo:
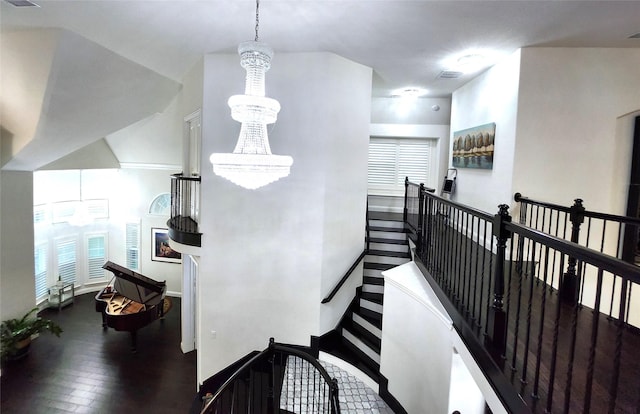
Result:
16,333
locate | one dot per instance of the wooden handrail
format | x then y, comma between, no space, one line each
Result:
344,278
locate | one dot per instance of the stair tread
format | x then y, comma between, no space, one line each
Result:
371,315
387,241
379,266
389,229
360,332
373,297
377,322
372,280
388,253
384,215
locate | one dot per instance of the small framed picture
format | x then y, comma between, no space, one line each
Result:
160,249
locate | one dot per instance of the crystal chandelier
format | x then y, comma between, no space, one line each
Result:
252,165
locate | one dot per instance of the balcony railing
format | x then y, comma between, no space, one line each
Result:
280,379
614,235
502,283
185,209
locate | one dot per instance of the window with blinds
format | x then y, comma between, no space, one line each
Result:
41,259
393,159
132,243
96,255
66,260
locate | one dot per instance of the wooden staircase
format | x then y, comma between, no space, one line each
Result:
358,337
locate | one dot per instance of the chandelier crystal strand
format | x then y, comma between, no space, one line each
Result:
252,165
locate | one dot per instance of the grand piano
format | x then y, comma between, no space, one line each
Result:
131,301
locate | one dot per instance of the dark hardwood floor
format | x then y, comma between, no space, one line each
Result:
91,370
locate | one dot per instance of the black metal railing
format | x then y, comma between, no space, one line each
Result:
615,235
541,352
185,209
414,208
280,379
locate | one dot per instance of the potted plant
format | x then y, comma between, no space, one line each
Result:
16,334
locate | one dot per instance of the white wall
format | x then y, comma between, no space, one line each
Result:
270,253
24,80
417,352
419,111
570,100
490,97
17,284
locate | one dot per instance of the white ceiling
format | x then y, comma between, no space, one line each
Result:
405,42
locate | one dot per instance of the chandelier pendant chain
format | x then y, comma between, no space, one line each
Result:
257,17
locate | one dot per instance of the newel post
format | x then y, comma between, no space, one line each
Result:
428,229
406,192
497,327
569,291
419,231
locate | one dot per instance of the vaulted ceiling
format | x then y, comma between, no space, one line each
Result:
407,43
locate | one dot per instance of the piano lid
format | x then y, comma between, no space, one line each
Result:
135,286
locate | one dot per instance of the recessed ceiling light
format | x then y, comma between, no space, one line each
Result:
22,3
449,74
469,61
409,92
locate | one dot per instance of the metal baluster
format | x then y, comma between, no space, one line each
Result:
516,333
523,377
467,259
592,348
490,267
536,378
613,388
572,351
482,276
554,352
474,314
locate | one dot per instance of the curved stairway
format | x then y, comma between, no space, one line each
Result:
357,339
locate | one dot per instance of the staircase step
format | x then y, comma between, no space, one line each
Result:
373,280
364,335
371,306
387,253
374,320
373,297
401,236
378,266
373,326
385,215
402,258
371,315
389,247
362,346
384,240
386,229
372,288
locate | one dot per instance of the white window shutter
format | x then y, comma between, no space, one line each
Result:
66,254
133,245
41,261
393,159
96,256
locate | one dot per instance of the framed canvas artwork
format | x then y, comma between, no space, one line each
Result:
160,249
473,147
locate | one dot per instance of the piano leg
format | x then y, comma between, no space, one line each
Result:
104,321
134,341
